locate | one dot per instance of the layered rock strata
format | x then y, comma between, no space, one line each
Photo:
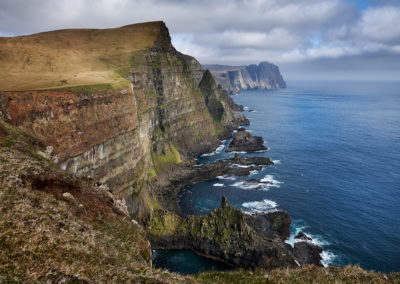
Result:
126,137
240,78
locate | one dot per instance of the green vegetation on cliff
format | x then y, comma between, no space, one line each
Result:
57,227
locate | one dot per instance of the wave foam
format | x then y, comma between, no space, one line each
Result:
264,183
271,181
217,151
260,206
327,256
254,172
219,148
276,162
226,177
218,184
241,166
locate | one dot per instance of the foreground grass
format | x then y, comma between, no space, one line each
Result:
309,274
47,238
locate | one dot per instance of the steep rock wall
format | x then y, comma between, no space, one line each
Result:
239,78
126,137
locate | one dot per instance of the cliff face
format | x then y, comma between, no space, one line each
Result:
125,136
239,78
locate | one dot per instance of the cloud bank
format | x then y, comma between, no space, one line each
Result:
299,35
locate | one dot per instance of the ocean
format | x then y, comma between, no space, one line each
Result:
336,148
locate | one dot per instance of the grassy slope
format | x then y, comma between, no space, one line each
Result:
72,57
48,239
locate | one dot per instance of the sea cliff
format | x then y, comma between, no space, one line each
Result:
98,131
125,135
240,78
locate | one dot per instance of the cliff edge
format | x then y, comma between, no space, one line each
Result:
240,78
126,129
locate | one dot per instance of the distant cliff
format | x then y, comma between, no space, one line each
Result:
239,78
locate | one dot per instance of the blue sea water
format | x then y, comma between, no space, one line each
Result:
336,147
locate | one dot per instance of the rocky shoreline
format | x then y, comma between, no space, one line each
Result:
227,234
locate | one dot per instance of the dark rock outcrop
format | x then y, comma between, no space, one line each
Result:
225,234
238,78
183,176
302,236
280,222
307,253
244,141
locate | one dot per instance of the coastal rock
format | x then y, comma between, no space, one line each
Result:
307,253
244,141
184,175
225,234
302,236
280,222
239,78
250,160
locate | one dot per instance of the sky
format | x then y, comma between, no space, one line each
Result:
307,39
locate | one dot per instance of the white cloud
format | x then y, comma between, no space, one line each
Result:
230,32
380,24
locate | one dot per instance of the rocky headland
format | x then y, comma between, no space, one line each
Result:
235,79
98,131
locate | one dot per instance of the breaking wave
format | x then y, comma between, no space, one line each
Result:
227,177
260,206
327,256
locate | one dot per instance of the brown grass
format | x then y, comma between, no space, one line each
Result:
71,57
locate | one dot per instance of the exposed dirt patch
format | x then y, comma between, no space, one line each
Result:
85,201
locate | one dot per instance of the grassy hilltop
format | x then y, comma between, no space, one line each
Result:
72,57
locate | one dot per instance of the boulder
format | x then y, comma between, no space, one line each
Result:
280,222
302,236
244,141
307,253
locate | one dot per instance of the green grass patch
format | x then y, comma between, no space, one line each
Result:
96,88
44,159
171,156
7,142
151,173
163,223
